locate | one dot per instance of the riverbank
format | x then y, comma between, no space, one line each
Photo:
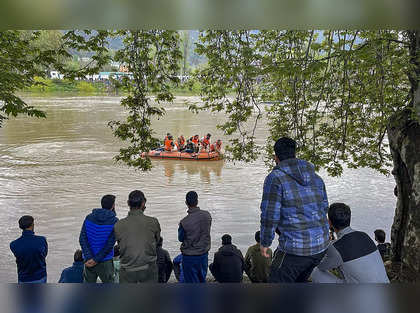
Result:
50,87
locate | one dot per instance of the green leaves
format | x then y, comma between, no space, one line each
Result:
153,59
26,57
332,91
229,84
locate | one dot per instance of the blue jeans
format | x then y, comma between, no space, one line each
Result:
39,281
195,268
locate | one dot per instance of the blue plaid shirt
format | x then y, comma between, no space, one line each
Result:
295,203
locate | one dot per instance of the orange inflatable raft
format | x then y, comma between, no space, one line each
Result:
176,155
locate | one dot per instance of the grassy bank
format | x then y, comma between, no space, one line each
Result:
60,86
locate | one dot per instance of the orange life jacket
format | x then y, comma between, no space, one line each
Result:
205,141
181,141
214,146
195,141
168,144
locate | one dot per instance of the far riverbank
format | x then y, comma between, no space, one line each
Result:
53,87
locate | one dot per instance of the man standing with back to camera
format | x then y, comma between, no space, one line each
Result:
194,233
294,203
138,236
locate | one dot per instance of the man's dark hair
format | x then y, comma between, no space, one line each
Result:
339,215
136,198
191,198
285,148
107,202
78,257
25,222
116,250
258,236
160,242
380,235
226,239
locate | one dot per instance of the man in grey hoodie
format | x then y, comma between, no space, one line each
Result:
354,253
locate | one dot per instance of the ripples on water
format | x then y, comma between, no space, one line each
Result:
57,169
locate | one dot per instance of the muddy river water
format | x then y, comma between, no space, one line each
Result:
57,169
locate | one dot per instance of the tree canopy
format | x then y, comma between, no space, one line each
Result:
26,55
333,91
153,58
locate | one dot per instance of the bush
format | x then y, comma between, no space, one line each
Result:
83,86
41,85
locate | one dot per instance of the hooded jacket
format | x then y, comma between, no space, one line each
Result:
97,237
228,264
295,203
164,264
72,274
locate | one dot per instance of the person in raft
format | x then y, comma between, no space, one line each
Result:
196,141
216,147
180,143
169,143
189,148
354,253
205,142
294,204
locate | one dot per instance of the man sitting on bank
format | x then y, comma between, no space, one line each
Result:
354,253
228,264
383,247
74,273
257,267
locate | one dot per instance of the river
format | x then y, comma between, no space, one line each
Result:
57,169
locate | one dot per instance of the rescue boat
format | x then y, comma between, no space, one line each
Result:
177,155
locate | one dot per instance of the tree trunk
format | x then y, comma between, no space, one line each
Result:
404,139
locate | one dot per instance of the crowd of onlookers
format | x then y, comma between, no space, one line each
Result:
316,242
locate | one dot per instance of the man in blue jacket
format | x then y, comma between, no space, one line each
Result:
97,240
294,204
74,273
30,252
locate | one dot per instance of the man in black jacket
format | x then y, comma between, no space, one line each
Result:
228,264
164,263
